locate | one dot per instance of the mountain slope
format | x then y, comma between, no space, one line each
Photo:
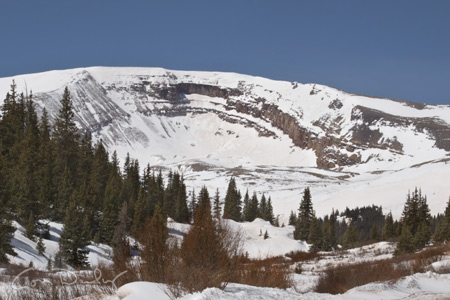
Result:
262,131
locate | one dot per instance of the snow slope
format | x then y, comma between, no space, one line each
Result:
418,286
26,248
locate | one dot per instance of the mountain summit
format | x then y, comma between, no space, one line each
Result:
230,119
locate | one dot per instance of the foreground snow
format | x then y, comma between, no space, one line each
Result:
418,286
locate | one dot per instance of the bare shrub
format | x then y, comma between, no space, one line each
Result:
339,279
298,256
270,272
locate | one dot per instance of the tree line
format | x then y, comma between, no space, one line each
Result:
56,173
415,229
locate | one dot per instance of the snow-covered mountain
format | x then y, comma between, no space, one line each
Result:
276,137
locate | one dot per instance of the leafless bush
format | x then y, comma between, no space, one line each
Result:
270,272
298,256
339,279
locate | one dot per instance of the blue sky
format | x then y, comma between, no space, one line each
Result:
396,48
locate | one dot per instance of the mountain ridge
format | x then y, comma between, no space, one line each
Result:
338,126
276,137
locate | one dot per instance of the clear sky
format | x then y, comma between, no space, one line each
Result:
396,48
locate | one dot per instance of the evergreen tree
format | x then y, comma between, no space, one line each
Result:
444,230
388,228
326,240
181,207
203,200
315,235
253,211
119,241
262,208
47,191
12,125
30,228
217,205
75,235
140,212
6,213
111,202
246,207
268,213
422,236
350,236
24,188
66,136
374,234
192,205
305,216
416,216
405,243
292,218
40,247
169,196
232,208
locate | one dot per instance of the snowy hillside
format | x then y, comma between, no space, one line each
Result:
275,137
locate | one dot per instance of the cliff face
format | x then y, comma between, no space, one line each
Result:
141,106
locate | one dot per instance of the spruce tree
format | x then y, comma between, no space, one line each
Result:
350,236
292,218
315,235
268,213
388,228
66,136
192,205
445,227
305,216
6,214
30,229
110,204
262,208
217,205
47,190
406,242
40,247
374,234
246,207
140,212
326,240
75,234
119,241
181,207
253,208
25,189
416,216
232,208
